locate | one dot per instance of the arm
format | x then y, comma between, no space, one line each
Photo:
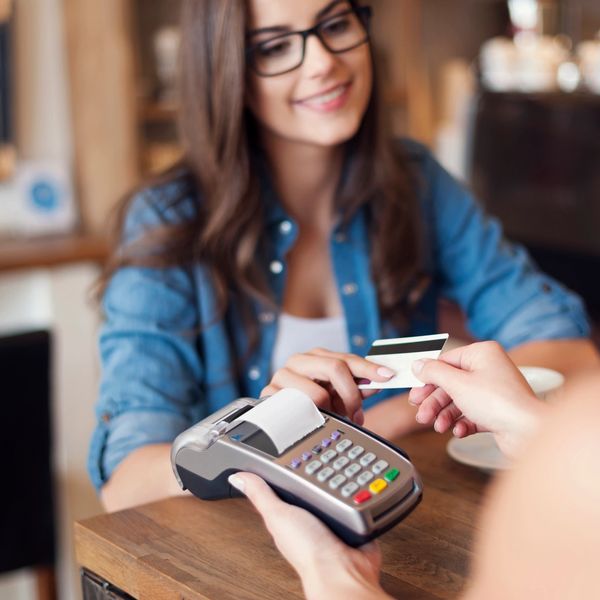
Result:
144,475
151,376
326,566
566,356
547,507
503,294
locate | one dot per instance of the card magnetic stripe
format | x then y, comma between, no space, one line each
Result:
427,346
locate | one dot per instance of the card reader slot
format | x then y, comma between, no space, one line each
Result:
382,516
238,413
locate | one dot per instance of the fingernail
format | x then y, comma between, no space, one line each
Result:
455,431
236,482
359,416
417,366
419,418
385,372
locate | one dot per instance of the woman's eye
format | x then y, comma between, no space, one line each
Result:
336,26
273,49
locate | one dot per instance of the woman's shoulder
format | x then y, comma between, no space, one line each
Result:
416,153
169,199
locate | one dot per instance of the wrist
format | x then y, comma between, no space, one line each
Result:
336,580
521,426
342,587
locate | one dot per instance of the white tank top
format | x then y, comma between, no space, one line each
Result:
296,334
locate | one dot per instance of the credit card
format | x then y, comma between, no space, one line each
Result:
399,354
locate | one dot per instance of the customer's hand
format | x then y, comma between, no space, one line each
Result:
477,388
326,566
330,379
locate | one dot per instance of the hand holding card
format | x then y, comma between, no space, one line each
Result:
398,354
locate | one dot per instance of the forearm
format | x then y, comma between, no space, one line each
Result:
341,583
344,588
143,476
566,356
392,418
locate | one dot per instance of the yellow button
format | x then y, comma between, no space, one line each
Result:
378,486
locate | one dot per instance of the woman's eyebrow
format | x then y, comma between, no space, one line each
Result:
284,28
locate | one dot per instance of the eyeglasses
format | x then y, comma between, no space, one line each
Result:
339,33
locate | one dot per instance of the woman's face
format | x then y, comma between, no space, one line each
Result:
322,102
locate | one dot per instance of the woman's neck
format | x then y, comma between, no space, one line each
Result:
305,177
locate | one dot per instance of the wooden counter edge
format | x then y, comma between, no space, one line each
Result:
124,570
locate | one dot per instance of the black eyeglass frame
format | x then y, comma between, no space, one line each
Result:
364,13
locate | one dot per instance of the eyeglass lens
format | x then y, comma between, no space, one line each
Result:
338,33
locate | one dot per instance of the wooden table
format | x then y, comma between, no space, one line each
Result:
186,548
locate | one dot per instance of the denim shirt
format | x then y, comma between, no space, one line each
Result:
167,362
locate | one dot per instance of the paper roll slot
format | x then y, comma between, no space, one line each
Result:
286,418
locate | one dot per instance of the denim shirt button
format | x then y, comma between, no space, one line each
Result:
285,227
276,267
349,288
340,237
358,340
254,373
105,417
266,317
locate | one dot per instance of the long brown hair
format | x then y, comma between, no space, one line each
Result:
218,136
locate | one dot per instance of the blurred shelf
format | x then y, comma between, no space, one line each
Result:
27,253
157,112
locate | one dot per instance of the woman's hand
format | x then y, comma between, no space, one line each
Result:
326,566
330,379
476,388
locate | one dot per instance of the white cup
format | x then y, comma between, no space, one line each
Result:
542,381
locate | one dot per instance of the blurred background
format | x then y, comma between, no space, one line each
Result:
507,93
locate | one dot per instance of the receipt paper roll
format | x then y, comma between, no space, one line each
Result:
286,417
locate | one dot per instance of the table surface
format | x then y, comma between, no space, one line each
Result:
184,547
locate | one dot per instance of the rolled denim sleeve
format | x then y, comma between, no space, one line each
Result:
503,293
150,386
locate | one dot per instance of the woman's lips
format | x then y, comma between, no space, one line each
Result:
328,101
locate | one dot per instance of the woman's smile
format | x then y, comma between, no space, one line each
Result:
329,100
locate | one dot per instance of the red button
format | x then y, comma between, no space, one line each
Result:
362,497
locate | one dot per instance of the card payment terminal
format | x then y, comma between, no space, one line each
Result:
356,482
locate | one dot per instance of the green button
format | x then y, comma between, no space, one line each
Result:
391,474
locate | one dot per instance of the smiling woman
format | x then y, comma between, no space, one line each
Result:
291,201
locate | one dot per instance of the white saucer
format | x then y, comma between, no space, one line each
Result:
479,450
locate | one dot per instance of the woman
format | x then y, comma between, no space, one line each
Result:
292,222
539,536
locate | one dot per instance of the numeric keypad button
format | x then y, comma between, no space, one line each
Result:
352,470
379,467
355,452
343,445
349,489
336,481
340,462
367,459
325,474
364,477
312,467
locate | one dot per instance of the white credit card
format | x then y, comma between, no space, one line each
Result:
398,354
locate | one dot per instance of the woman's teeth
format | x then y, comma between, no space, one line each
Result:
329,96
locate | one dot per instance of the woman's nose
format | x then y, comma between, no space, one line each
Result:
318,61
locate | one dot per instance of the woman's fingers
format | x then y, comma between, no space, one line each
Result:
360,367
463,427
336,371
447,417
418,394
298,534
431,407
287,378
